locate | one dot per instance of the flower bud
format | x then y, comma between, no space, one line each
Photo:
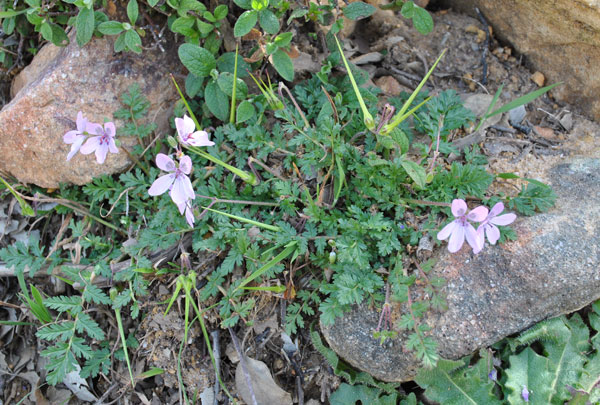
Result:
172,141
332,257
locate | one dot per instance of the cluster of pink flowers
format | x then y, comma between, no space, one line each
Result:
176,181
98,138
461,229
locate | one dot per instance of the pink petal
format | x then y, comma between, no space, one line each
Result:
93,128
101,152
181,207
478,214
188,124
480,240
75,147
447,230
90,145
112,146
185,164
110,129
165,163
456,239
71,136
189,217
182,190
493,233
505,219
459,207
162,184
496,209
200,138
473,238
81,122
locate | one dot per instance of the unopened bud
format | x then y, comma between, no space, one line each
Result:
172,141
332,257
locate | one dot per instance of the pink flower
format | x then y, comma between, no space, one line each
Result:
102,143
76,137
179,184
187,209
489,224
188,134
460,228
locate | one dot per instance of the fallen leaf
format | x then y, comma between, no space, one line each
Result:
266,391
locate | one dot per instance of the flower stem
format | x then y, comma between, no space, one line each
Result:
247,177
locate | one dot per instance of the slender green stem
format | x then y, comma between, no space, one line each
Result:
245,176
246,220
233,90
423,202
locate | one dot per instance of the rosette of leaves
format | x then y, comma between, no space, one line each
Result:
196,22
128,35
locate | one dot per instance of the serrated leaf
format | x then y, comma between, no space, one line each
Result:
268,21
245,111
111,28
57,331
85,24
61,303
216,101
132,11
358,10
133,41
197,60
456,383
415,171
245,23
283,64
95,294
528,369
86,324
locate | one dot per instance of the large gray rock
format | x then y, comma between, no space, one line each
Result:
62,81
560,38
551,269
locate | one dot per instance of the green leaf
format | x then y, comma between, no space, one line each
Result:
400,139
268,21
86,324
297,13
216,101
283,39
193,85
111,28
245,23
25,207
283,64
152,372
133,41
197,60
132,11
408,9
422,20
46,31
12,13
225,82
245,4
522,100
457,383
220,12
153,3
185,26
59,36
351,394
204,28
259,5
95,294
85,24
528,369
358,10
245,111
415,171
226,63
57,331
61,303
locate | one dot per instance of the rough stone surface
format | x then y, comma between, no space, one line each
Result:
560,38
59,83
551,269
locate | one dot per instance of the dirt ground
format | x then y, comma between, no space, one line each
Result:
396,57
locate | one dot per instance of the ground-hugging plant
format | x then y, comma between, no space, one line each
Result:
310,193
